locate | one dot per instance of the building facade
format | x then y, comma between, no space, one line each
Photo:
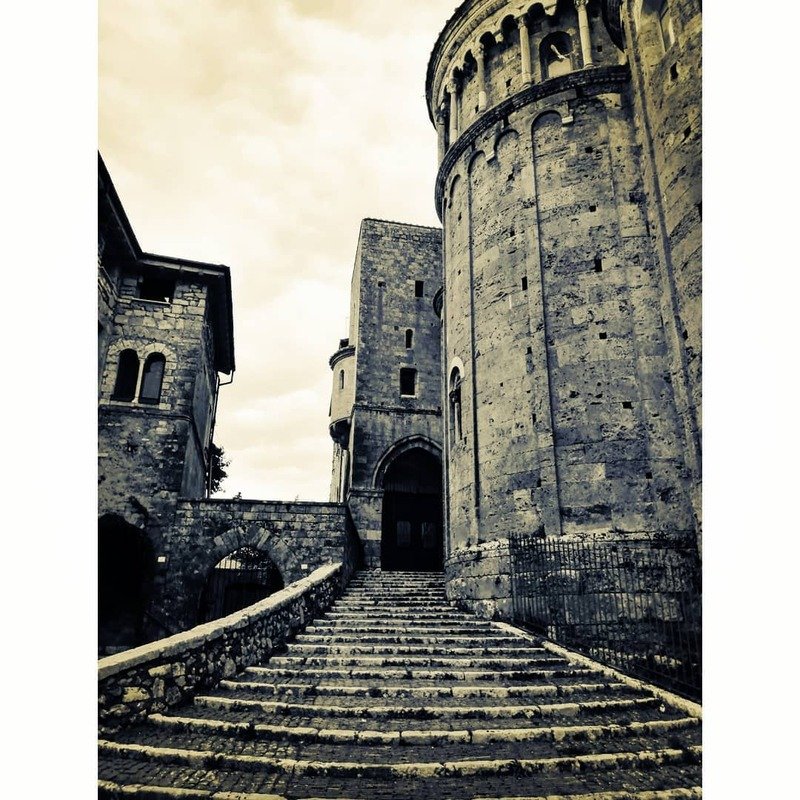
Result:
534,367
386,415
569,357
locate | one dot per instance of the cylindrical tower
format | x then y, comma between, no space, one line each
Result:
560,409
343,395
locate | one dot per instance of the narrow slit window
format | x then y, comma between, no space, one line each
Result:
524,283
341,379
127,376
152,377
419,288
455,405
408,382
409,339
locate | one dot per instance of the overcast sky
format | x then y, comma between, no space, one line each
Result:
258,134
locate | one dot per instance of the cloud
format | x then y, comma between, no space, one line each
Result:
259,134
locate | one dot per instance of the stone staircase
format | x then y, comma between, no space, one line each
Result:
394,694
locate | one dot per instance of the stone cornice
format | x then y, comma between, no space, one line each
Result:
342,352
597,79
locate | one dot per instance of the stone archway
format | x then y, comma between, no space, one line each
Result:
411,519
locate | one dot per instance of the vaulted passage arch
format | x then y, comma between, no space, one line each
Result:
125,569
242,578
411,526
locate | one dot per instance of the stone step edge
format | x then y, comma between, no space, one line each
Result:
336,736
425,712
367,660
207,759
432,692
114,790
691,793
489,676
386,649
670,698
364,637
168,793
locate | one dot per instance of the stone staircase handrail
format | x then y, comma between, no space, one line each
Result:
163,673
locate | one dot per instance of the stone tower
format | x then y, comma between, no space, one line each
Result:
165,333
568,191
385,417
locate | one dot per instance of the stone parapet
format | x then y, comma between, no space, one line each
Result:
159,675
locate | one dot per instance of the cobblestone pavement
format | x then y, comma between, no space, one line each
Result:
394,694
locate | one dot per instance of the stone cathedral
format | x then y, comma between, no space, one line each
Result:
531,367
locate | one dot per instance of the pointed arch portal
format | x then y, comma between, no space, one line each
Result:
411,524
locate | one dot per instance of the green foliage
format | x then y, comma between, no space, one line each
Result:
218,465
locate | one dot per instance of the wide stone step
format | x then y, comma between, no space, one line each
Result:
466,639
510,709
472,735
193,784
375,697
566,672
595,713
519,650
408,661
428,691
247,762
377,747
444,685
392,628
383,615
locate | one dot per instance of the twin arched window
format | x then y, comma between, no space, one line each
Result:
128,378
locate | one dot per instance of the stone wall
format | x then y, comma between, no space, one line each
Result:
157,676
554,304
298,537
666,92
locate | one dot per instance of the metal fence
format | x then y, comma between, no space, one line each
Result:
633,605
242,578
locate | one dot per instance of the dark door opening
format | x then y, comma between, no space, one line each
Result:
411,529
124,566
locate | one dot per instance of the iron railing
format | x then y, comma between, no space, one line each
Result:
632,605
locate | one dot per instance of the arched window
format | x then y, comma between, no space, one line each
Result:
127,376
556,55
409,339
341,379
455,404
151,379
666,24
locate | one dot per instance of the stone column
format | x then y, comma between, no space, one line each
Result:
481,76
583,26
524,48
441,129
452,87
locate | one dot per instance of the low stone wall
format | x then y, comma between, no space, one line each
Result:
164,673
478,579
299,537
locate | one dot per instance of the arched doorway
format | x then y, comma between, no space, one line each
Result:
242,578
124,570
411,525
